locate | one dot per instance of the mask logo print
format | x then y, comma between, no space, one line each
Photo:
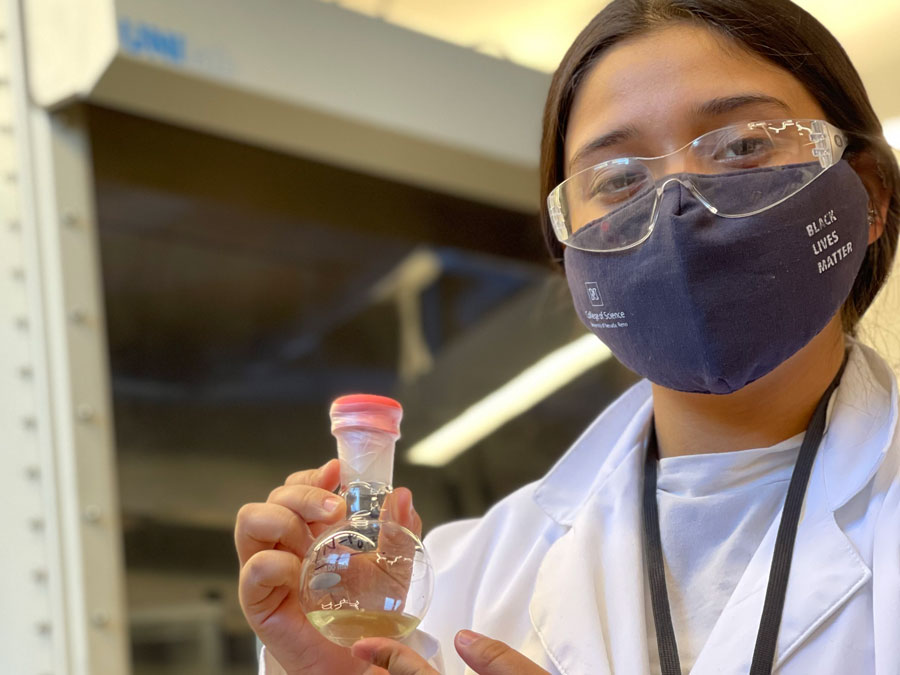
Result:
593,292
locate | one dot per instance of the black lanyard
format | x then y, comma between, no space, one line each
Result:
764,653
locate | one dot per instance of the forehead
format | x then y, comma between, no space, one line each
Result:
655,83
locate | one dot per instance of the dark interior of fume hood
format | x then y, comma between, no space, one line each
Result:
246,288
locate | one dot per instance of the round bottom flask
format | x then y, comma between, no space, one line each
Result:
367,576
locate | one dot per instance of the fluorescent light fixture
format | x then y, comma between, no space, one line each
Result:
519,394
891,128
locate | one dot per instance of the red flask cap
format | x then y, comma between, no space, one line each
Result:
367,410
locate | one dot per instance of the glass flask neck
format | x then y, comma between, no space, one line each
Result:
367,467
365,500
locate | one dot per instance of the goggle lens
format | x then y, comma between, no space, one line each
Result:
786,155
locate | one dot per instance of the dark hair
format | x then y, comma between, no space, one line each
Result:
778,31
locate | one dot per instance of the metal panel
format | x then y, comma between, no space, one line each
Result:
30,620
64,584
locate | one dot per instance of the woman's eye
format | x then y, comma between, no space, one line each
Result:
744,149
617,187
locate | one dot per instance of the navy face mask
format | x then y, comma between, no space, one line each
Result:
709,304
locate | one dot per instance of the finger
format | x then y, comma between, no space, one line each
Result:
400,506
318,528
310,503
327,476
492,657
265,581
375,670
396,658
265,526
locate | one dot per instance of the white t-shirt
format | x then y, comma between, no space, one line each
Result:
714,510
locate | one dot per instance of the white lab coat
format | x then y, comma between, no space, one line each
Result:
556,569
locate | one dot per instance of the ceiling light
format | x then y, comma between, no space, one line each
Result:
519,394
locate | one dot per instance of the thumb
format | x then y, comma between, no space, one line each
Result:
393,657
492,657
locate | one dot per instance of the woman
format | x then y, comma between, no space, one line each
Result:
726,209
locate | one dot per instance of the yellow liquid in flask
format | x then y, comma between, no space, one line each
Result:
346,626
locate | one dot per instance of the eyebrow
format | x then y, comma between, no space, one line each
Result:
727,104
606,140
711,108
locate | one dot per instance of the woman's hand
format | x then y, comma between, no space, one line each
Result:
483,655
272,540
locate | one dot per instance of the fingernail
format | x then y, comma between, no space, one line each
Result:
466,637
333,503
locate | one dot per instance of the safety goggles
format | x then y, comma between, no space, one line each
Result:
614,205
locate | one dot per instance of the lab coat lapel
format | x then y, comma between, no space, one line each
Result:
587,605
825,572
588,602
825,569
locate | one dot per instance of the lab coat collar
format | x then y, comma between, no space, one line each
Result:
589,462
862,423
